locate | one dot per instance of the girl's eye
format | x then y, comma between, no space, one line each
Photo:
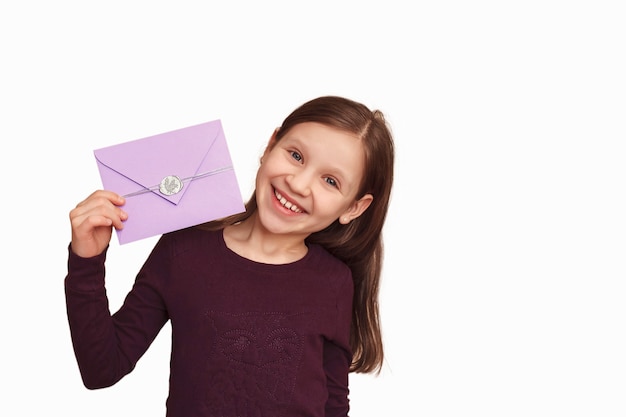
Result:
331,181
295,155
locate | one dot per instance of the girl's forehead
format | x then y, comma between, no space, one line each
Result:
319,131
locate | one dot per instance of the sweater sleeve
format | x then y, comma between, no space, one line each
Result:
107,346
338,356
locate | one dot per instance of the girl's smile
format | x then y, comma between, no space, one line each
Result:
286,203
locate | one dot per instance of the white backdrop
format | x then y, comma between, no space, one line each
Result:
504,283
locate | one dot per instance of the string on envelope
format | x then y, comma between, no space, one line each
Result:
195,177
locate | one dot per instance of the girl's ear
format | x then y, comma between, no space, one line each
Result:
356,209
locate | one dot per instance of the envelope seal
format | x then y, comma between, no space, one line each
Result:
170,185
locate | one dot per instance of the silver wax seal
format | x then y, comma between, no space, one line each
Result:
170,185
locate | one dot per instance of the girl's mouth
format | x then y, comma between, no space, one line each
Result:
287,204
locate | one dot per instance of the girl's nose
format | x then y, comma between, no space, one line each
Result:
300,182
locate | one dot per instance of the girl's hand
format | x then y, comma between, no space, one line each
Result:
93,220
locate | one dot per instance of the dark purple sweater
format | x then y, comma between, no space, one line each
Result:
248,339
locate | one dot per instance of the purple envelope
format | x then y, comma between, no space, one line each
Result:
172,180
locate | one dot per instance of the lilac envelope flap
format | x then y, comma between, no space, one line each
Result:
165,164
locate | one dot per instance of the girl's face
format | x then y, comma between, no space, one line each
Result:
310,178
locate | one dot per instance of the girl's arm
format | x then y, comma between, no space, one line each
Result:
338,356
336,364
106,346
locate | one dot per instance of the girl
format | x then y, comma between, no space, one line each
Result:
270,309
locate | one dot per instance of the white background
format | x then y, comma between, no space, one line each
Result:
504,283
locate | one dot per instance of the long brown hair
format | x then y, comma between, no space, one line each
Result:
359,244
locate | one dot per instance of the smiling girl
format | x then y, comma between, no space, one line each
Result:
270,309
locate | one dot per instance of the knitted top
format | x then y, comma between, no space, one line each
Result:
248,338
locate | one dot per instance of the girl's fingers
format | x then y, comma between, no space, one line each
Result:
100,203
92,220
101,196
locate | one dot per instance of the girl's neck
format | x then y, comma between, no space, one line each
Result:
252,241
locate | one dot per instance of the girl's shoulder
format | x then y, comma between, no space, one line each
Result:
190,239
323,258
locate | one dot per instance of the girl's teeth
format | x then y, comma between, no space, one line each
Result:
286,203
